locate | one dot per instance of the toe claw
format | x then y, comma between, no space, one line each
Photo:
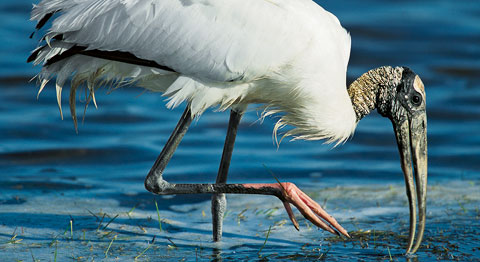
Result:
291,215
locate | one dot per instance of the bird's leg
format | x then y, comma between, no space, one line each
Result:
219,201
288,193
154,179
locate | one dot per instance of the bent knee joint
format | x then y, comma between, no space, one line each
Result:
156,184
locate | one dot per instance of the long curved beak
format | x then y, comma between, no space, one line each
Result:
412,137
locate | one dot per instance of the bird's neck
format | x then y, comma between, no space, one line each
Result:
374,89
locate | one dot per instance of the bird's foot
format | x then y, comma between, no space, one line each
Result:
311,210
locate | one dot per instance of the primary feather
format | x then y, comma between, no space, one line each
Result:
291,56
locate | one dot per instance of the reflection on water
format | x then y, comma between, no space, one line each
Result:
51,175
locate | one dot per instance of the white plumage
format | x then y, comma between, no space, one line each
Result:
290,55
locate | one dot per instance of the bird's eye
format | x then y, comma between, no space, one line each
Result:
416,100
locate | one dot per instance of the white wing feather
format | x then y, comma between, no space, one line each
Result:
209,40
221,50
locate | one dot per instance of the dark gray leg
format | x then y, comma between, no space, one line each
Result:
154,178
219,201
286,192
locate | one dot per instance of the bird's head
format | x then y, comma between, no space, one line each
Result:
398,94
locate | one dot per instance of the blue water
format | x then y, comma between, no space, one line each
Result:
50,174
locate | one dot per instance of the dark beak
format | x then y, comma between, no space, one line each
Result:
411,136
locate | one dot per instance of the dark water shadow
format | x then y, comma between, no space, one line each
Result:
31,186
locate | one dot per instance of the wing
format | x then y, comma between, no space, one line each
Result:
210,40
207,52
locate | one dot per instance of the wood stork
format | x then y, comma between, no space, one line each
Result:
291,56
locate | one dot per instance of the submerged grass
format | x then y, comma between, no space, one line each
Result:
110,245
131,211
55,253
13,239
173,246
71,228
265,242
145,250
158,216
101,221
389,254
111,220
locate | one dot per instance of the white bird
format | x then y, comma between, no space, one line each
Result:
290,56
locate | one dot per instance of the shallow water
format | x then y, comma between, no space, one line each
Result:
51,175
